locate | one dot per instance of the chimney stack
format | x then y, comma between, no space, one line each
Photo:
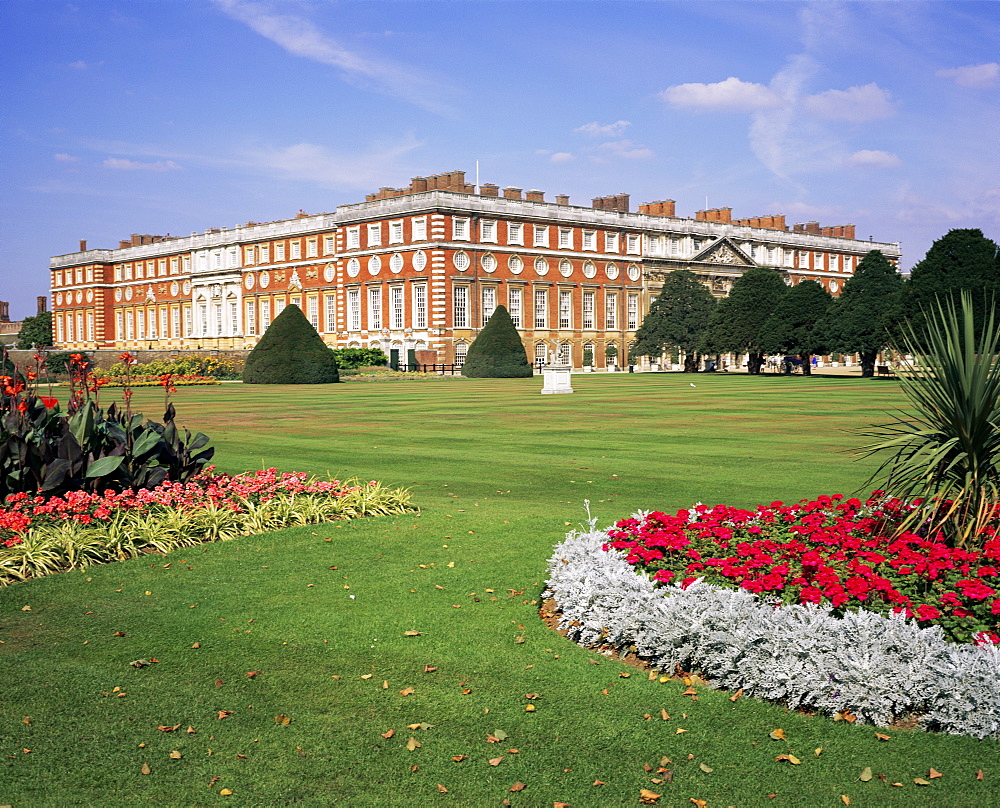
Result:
510,192
489,189
535,196
562,199
4,311
83,245
43,304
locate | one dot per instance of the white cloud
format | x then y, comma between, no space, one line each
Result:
856,104
731,95
123,164
317,164
774,138
561,157
595,129
628,149
978,76
79,65
873,158
64,158
301,37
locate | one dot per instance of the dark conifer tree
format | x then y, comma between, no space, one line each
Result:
497,353
291,352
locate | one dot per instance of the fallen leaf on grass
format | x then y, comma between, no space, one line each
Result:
699,803
845,799
175,755
251,674
818,751
518,786
412,744
736,695
226,792
647,797
664,715
411,633
388,733
191,730
845,715
979,774
933,773
164,728
442,789
459,758
367,675
407,691
778,735
790,758
145,769
530,708
599,783
920,781
495,761
421,725
705,768
866,774
532,696
429,669
882,737
224,714
498,735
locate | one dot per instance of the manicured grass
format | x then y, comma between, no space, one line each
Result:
498,471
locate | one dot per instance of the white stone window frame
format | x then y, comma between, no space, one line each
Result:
374,234
611,242
515,234
460,306
354,238
460,228
418,228
589,241
565,238
540,235
396,231
329,245
633,244
397,307
294,250
419,304
488,231
312,248
515,304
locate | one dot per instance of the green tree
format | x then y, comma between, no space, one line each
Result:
866,317
738,322
291,352
497,352
36,331
796,324
677,318
960,260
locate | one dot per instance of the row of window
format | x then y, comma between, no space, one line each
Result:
541,352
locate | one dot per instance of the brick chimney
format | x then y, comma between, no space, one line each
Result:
510,192
562,199
535,196
418,185
83,245
43,304
4,311
489,189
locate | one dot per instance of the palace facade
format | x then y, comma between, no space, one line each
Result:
417,271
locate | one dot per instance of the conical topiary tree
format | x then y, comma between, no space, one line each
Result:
497,353
291,352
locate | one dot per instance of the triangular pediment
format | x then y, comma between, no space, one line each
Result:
724,251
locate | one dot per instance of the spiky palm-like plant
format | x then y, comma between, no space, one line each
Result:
948,453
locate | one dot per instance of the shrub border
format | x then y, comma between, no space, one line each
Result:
876,668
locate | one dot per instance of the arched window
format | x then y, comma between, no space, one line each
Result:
564,353
461,350
541,352
611,354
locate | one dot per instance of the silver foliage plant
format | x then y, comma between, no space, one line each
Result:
879,668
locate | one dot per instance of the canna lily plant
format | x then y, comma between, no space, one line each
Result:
946,456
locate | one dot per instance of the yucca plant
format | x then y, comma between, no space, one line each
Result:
947,455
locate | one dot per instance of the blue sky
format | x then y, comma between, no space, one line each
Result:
173,116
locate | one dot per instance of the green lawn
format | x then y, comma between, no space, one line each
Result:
499,472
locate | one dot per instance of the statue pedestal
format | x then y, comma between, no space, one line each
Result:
556,379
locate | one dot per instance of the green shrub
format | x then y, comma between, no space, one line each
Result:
497,353
291,352
58,361
352,358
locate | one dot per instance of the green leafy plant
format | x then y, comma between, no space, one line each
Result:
89,449
588,357
947,455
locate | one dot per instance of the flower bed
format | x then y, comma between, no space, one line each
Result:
154,381
858,665
42,535
835,553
